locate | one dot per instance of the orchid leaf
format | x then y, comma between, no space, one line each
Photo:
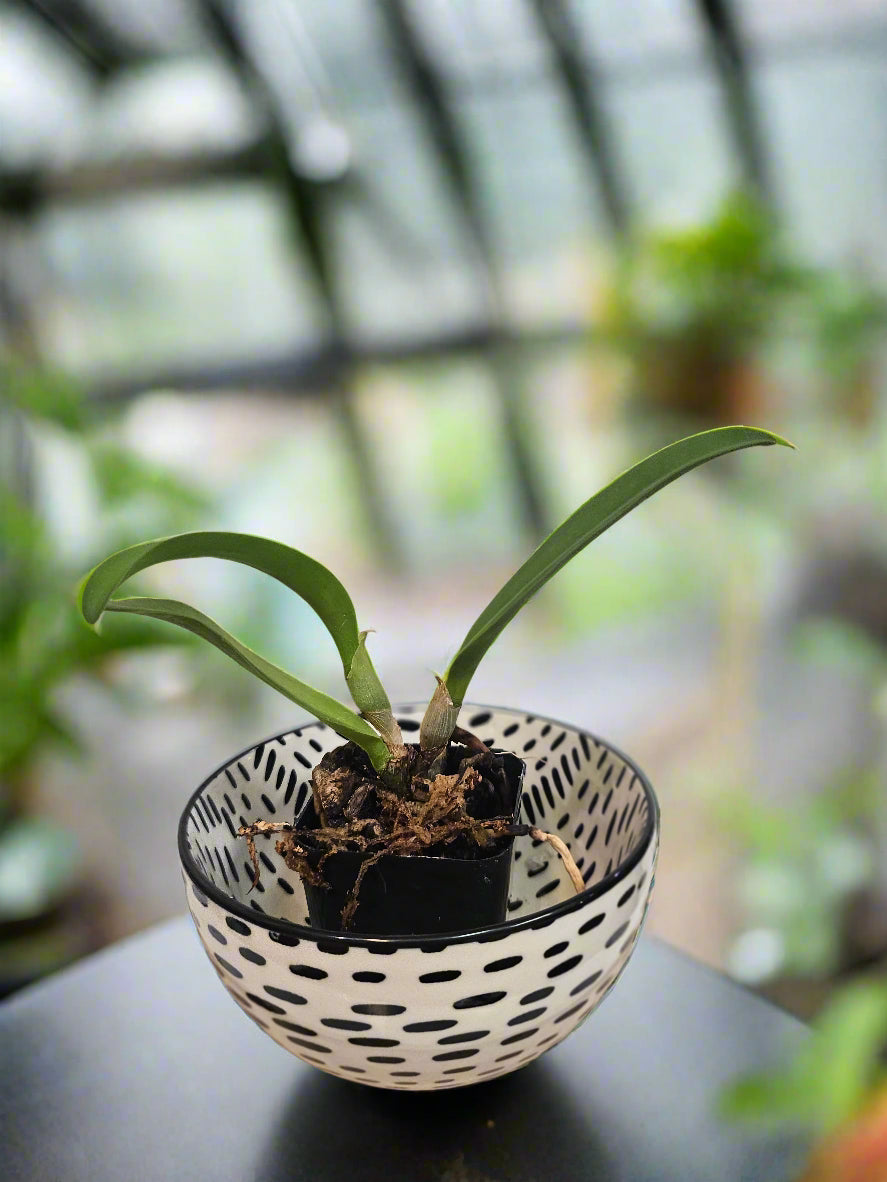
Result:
309,579
589,521
342,720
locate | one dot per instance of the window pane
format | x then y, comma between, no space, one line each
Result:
830,154
147,281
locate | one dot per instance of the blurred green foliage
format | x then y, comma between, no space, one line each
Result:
851,315
826,1083
690,306
804,863
695,308
801,867
848,320
43,641
719,279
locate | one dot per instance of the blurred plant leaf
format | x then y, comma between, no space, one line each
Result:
122,476
589,521
849,318
829,1078
767,829
738,251
42,393
837,643
799,871
21,530
26,720
770,830
42,638
41,644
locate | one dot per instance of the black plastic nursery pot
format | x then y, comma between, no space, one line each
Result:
416,895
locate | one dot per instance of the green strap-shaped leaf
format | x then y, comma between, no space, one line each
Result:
588,522
342,720
309,579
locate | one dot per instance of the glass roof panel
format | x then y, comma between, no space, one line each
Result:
39,121
142,283
158,25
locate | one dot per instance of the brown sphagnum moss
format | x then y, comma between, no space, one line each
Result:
444,796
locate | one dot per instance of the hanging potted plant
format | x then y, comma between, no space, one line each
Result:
690,309
406,847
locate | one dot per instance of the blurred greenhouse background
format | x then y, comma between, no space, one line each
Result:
401,282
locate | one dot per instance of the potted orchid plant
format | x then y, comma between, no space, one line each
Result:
438,816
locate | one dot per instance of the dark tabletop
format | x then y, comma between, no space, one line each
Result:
136,1065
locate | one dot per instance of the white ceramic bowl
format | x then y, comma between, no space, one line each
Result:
443,1011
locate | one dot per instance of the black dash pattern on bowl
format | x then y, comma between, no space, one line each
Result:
380,1010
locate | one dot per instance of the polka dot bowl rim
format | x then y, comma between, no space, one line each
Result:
463,935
